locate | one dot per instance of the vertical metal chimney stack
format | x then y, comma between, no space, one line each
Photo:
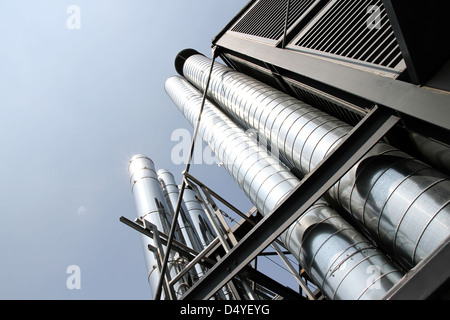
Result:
152,210
338,258
402,202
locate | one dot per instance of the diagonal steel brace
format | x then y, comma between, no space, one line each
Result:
355,145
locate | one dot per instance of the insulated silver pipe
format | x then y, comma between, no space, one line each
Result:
199,219
337,257
186,231
151,207
403,203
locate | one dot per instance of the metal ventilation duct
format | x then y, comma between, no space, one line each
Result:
402,202
152,209
336,256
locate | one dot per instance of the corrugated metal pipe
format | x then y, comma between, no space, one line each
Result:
343,263
154,193
200,220
402,202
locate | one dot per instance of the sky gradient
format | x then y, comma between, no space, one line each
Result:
75,105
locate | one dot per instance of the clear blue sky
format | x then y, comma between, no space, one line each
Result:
75,105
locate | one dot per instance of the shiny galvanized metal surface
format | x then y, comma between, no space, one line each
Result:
339,259
151,206
186,231
147,195
199,219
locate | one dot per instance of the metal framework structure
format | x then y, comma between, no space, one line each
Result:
377,65
364,136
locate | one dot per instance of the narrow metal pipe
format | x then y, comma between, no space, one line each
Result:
338,258
183,183
400,201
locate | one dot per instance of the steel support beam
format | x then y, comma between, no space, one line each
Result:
356,144
423,103
193,179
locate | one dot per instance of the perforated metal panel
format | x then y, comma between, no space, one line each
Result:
358,30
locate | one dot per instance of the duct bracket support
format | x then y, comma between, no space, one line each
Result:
355,145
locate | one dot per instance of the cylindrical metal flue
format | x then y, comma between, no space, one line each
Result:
403,203
186,229
339,259
152,207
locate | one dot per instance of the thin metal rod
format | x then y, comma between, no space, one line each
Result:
251,273
418,284
294,272
288,2
225,202
159,255
183,184
196,260
217,196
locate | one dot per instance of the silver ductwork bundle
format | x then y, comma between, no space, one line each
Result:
401,202
155,195
343,263
185,222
